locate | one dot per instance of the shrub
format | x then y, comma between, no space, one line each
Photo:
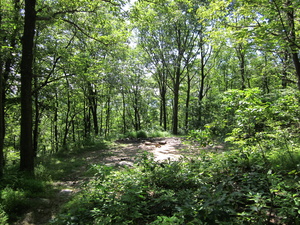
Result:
132,134
141,134
204,137
158,133
13,201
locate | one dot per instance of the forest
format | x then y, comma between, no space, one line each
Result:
77,76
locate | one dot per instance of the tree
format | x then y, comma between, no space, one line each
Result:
26,148
9,29
275,26
1,122
2,90
168,32
283,25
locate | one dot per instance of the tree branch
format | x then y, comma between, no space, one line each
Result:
83,32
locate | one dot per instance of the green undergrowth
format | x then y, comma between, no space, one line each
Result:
20,194
146,134
234,187
17,195
65,163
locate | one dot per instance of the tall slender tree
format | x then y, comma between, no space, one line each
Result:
1,121
26,147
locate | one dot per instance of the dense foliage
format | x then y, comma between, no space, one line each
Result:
72,72
101,68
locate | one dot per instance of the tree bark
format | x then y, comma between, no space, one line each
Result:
285,63
124,112
187,101
93,106
36,119
292,39
55,122
176,100
164,108
297,67
26,148
107,120
1,122
2,130
86,118
241,56
137,119
67,122
162,83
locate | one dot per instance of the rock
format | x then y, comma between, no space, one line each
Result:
162,142
125,163
66,191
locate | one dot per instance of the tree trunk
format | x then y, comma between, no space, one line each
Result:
73,131
201,90
26,148
87,119
124,112
284,73
36,120
1,120
107,121
95,119
164,109
297,67
292,39
176,101
187,102
137,121
136,118
55,121
175,113
67,123
161,78
163,104
241,56
93,106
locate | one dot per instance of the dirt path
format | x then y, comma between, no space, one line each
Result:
161,148
123,153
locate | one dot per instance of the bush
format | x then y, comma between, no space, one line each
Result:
131,134
13,201
204,137
158,133
141,134
15,192
145,134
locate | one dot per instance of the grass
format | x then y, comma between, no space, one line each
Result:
17,192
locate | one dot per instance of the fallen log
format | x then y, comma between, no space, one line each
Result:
152,143
162,142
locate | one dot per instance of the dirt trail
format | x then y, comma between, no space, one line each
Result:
161,148
124,153
170,150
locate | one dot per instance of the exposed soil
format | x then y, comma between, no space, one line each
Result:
123,153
